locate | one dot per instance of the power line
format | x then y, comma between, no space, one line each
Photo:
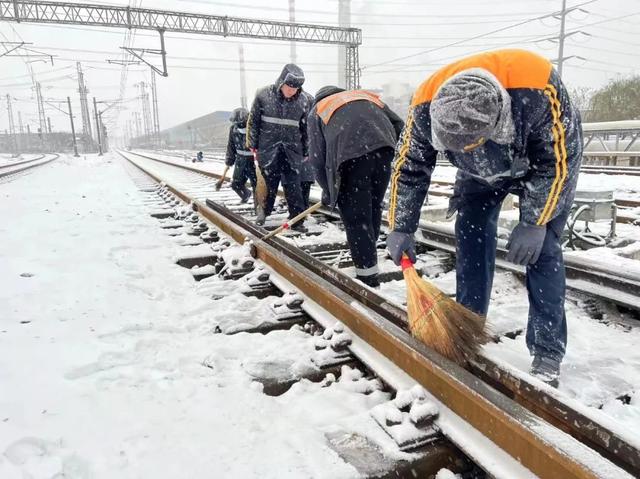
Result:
461,41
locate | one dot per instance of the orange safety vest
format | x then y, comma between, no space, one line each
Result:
328,106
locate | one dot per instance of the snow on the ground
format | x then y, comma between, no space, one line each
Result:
602,361
108,364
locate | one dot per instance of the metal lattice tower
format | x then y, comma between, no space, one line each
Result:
42,119
42,11
156,114
352,70
146,110
292,19
84,103
136,118
21,141
243,77
344,20
12,127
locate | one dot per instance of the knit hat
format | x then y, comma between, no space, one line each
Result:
469,109
326,91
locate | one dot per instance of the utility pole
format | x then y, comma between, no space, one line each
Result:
42,120
73,129
292,19
243,77
12,127
156,114
344,20
136,118
561,38
146,113
84,103
49,124
95,109
21,137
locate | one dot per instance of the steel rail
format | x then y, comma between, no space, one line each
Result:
538,446
18,163
4,174
583,275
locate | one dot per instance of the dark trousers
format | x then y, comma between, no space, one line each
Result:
363,183
290,184
476,229
243,170
306,191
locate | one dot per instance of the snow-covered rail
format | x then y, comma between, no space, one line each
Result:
18,167
381,324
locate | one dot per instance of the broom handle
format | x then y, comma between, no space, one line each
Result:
293,220
223,177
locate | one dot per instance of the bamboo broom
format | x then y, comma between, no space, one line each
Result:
261,185
293,221
222,178
440,322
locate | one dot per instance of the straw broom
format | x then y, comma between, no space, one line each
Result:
261,185
222,178
293,221
440,322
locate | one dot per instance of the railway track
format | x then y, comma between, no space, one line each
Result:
521,416
9,170
584,275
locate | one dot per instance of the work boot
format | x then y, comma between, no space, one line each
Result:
546,369
370,280
246,195
260,216
299,227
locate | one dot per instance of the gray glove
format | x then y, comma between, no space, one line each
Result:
525,243
399,243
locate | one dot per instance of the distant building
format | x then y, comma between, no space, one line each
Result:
398,96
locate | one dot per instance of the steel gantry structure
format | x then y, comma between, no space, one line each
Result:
170,21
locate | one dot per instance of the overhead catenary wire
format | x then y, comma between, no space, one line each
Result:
474,37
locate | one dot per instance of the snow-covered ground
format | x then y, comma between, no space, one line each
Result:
108,364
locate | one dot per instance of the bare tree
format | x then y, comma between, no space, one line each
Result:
618,100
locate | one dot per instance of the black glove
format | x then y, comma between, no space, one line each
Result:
525,243
399,243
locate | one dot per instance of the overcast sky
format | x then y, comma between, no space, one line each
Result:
203,73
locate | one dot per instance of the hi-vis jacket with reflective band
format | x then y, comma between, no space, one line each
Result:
548,139
328,106
277,123
344,126
236,149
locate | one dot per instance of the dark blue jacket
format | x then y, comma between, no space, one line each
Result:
541,164
236,146
279,124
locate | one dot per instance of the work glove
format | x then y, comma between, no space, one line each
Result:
525,244
399,243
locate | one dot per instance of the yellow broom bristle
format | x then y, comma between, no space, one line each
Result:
261,188
442,323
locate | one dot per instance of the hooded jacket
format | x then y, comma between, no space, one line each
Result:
279,124
236,145
540,161
344,125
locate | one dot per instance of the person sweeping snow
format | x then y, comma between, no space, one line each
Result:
239,157
504,118
351,139
277,133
